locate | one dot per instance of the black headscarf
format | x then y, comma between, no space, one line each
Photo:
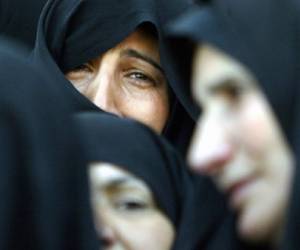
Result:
264,36
19,19
43,184
72,32
136,148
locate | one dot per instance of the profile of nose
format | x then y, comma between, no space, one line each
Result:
105,229
105,96
107,236
210,151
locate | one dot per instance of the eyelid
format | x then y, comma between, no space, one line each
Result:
231,88
135,55
133,193
141,65
140,73
86,67
149,79
124,203
131,199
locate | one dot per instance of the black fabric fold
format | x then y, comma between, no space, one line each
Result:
45,197
19,19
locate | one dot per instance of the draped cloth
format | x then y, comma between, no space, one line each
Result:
44,189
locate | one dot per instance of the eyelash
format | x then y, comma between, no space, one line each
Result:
131,205
84,67
232,92
134,77
140,78
81,76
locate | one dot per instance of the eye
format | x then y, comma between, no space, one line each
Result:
81,76
139,76
140,79
230,90
81,71
131,205
84,67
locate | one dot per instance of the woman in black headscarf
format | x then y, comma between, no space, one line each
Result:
43,182
84,38
245,68
144,197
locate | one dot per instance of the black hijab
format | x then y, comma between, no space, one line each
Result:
43,186
19,19
264,36
72,32
136,148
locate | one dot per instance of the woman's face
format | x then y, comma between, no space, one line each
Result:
127,217
127,80
239,143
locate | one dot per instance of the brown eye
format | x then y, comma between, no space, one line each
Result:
230,90
80,72
139,76
84,68
140,79
81,76
131,205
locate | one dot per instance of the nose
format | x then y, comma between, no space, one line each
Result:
105,230
106,95
107,236
211,148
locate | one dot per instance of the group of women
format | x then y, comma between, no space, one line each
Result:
149,124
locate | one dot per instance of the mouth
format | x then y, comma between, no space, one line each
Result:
238,191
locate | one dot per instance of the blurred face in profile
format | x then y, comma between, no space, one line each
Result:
127,217
127,80
239,143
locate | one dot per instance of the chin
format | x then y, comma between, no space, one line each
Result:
258,224
251,234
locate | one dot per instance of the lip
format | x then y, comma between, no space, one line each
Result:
238,190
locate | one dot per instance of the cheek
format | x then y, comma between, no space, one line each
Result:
263,212
197,146
256,127
151,109
152,232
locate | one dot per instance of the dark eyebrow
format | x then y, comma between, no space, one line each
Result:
138,55
118,182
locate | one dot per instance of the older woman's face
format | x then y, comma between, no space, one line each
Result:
127,217
127,81
239,143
